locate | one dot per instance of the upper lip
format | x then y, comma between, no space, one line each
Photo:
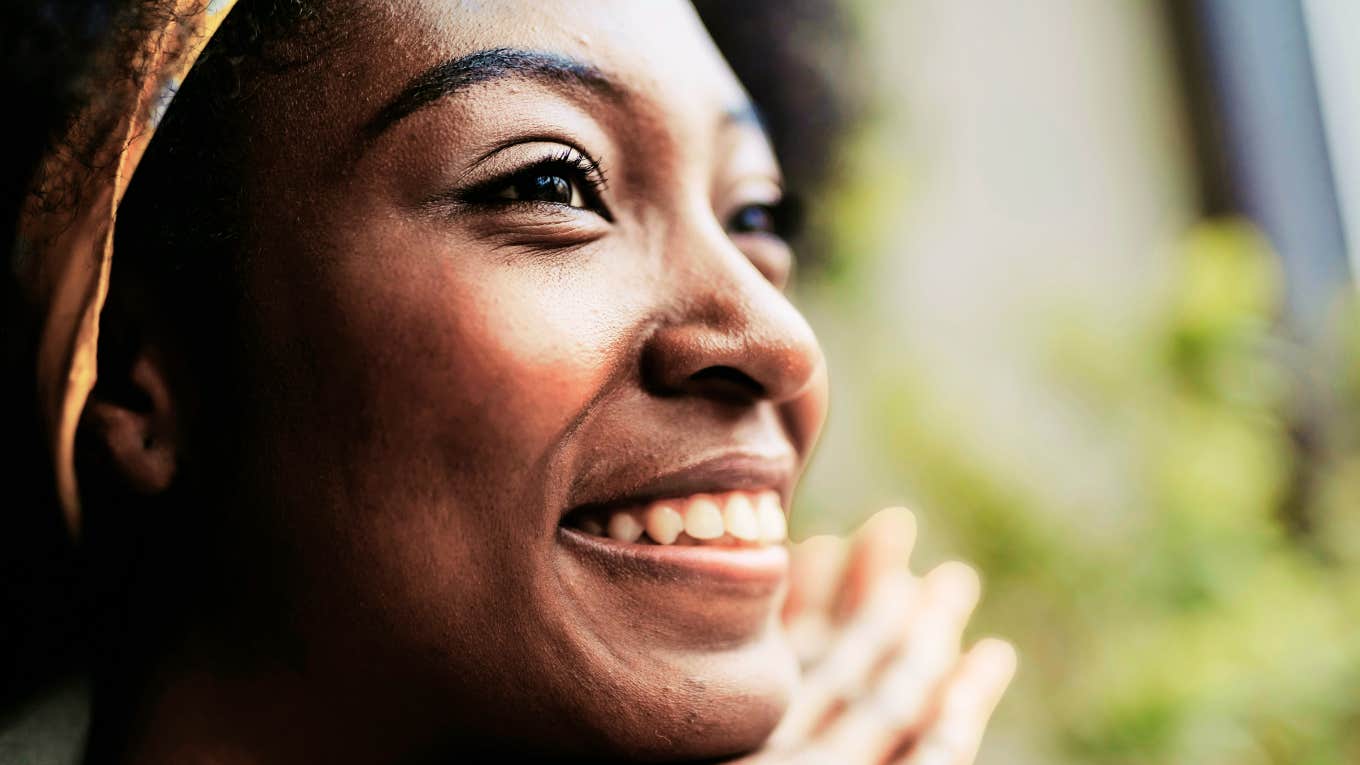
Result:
727,471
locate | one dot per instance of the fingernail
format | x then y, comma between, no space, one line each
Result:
896,522
956,583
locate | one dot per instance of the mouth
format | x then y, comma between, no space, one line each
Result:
729,519
720,520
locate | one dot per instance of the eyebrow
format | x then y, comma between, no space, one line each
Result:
745,113
443,80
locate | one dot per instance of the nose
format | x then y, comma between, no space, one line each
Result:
733,337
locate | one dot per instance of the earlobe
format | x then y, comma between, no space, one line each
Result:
136,429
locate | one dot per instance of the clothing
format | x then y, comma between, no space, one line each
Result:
51,730
65,247
62,262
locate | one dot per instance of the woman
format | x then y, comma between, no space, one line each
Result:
448,403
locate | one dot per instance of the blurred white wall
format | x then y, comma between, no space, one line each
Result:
1336,62
1027,164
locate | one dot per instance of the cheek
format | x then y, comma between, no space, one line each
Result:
414,397
432,343
502,348
429,382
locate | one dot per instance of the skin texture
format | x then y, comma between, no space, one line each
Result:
884,680
434,384
428,384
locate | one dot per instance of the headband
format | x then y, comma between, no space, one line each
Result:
65,245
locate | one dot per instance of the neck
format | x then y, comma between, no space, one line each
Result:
192,709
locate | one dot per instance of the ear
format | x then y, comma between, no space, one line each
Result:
132,420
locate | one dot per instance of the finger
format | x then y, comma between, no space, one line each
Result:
857,649
908,685
897,706
813,573
882,543
967,704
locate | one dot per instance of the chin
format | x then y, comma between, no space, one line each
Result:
675,634
705,705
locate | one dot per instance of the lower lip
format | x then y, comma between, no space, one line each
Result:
750,566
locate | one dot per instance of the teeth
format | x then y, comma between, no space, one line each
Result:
729,519
663,523
703,519
770,517
624,527
739,518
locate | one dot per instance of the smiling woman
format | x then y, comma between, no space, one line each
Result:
449,402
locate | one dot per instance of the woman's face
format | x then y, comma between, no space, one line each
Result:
508,261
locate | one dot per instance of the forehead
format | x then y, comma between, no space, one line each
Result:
647,39
658,49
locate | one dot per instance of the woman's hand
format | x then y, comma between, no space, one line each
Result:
883,679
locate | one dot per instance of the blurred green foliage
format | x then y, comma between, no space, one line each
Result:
1214,617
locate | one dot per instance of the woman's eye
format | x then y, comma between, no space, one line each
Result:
782,219
569,179
753,219
544,187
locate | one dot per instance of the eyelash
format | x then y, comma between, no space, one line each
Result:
569,163
786,214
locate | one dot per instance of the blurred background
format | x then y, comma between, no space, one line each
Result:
1084,273
1083,270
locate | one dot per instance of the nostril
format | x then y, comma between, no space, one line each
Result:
737,348
727,383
